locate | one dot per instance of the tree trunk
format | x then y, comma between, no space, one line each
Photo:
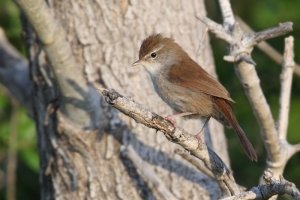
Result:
92,162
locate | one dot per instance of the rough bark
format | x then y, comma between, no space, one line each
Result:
89,163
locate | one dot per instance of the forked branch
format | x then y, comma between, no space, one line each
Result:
241,46
267,48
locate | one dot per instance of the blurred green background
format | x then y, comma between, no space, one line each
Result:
258,14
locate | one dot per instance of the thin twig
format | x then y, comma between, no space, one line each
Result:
296,149
281,29
228,17
217,29
286,86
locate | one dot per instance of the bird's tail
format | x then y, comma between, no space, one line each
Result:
225,108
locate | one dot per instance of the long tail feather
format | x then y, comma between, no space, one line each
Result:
225,108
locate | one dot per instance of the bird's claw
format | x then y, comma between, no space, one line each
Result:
170,119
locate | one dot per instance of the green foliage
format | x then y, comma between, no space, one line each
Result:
25,143
27,147
10,22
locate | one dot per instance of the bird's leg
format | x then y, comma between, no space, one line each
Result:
170,117
199,134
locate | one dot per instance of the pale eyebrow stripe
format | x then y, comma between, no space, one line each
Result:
156,49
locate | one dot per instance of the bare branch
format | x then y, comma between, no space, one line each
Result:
286,86
272,187
278,150
273,32
242,43
217,29
176,135
240,54
146,171
250,81
266,48
241,46
296,149
228,17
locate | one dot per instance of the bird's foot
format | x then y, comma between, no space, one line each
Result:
199,136
170,119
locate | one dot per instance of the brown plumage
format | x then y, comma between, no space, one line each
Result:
186,87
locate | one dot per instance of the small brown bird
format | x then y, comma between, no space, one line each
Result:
186,87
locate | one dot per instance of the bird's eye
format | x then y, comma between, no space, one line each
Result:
153,55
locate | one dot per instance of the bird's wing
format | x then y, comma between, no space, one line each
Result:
191,76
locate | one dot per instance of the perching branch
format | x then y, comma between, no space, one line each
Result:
176,135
